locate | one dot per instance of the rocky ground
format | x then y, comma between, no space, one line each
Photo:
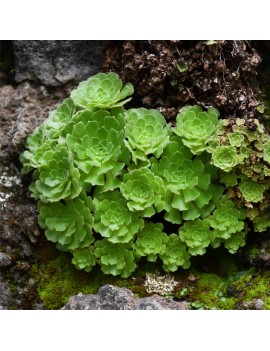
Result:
33,274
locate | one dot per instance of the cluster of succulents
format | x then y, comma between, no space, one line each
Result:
108,179
244,167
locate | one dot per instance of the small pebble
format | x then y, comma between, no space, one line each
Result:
5,260
258,304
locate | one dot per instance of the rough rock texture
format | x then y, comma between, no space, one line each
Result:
6,298
110,297
22,108
56,62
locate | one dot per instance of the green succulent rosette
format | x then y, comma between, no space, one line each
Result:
96,140
45,137
102,91
143,191
115,259
113,219
252,191
229,179
32,143
236,241
57,178
175,255
261,223
236,139
84,258
197,236
69,224
190,193
58,119
196,127
39,157
146,134
226,220
151,241
225,158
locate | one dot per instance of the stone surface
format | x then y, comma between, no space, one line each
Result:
6,298
111,297
5,260
22,108
56,62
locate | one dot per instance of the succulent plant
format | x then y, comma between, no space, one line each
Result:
190,193
146,134
225,158
196,234
58,119
57,178
135,164
151,241
84,258
68,224
252,191
102,91
113,219
115,259
175,254
196,127
236,139
261,223
96,140
38,157
227,219
143,191
229,179
234,242
32,143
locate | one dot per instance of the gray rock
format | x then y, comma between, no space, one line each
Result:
156,302
5,260
258,304
6,298
111,297
56,62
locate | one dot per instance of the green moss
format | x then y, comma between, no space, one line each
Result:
254,285
57,279
210,292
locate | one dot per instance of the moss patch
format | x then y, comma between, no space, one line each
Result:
57,279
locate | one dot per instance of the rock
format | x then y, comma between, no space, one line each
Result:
22,109
156,302
111,297
258,304
56,62
255,304
6,298
5,260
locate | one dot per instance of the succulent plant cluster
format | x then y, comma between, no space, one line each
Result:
107,180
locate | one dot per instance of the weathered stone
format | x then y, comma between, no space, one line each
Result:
56,62
22,109
156,302
6,298
111,297
258,304
5,260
